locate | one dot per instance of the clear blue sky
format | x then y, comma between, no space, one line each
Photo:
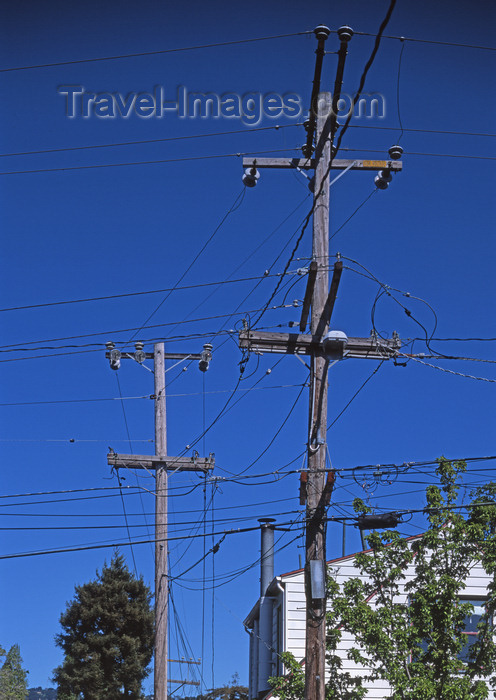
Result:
92,232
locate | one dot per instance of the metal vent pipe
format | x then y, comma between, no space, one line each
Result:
267,554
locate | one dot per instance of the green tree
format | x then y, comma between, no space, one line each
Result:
13,678
40,693
231,691
107,637
418,644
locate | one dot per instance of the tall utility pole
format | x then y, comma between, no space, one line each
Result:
321,345
162,464
315,549
161,548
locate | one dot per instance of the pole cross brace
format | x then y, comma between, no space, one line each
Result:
300,344
167,356
188,464
309,164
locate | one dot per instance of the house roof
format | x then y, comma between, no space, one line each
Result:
273,586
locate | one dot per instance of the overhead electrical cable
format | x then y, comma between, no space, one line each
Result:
113,545
146,141
421,131
447,371
136,294
362,386
157,52
234,43
431,41
276,434
116,472
183,159
267,274
420,153
234,206
148,397
353,214
127,330
341,134
398,83
239,131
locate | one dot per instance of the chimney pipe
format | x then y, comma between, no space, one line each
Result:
265,628
267,554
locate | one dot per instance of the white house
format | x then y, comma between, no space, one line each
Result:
277,623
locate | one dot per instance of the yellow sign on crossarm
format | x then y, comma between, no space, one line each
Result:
375,163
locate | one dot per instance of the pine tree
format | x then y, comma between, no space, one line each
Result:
107,637
13,685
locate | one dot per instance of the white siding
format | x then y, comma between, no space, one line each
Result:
294,606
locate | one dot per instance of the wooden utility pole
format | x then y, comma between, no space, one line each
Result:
161,549
315,548
162,463
316,486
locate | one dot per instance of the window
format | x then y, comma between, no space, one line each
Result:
469,634
471,621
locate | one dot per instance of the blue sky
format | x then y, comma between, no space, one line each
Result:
73,232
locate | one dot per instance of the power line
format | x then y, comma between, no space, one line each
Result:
139,162
423,356
125,398
421,131
136,515
233,43
460,340
71,440
136,294
65,491
227,155
431,41
398,83
155,53
157,325
419,153
82,528
374,372
353,214
145,141
241,264
232,132
447,371
340,471
113,545
342,132
235,205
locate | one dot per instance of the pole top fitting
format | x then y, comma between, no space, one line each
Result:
251,176
139,355
345,33
395,152
206,357
266,522
110,344
321,32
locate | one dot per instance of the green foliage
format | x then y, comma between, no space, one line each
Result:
40,693
13,678
107,637
414,641
292,685
231,691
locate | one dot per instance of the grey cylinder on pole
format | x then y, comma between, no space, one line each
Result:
265,629
267,553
